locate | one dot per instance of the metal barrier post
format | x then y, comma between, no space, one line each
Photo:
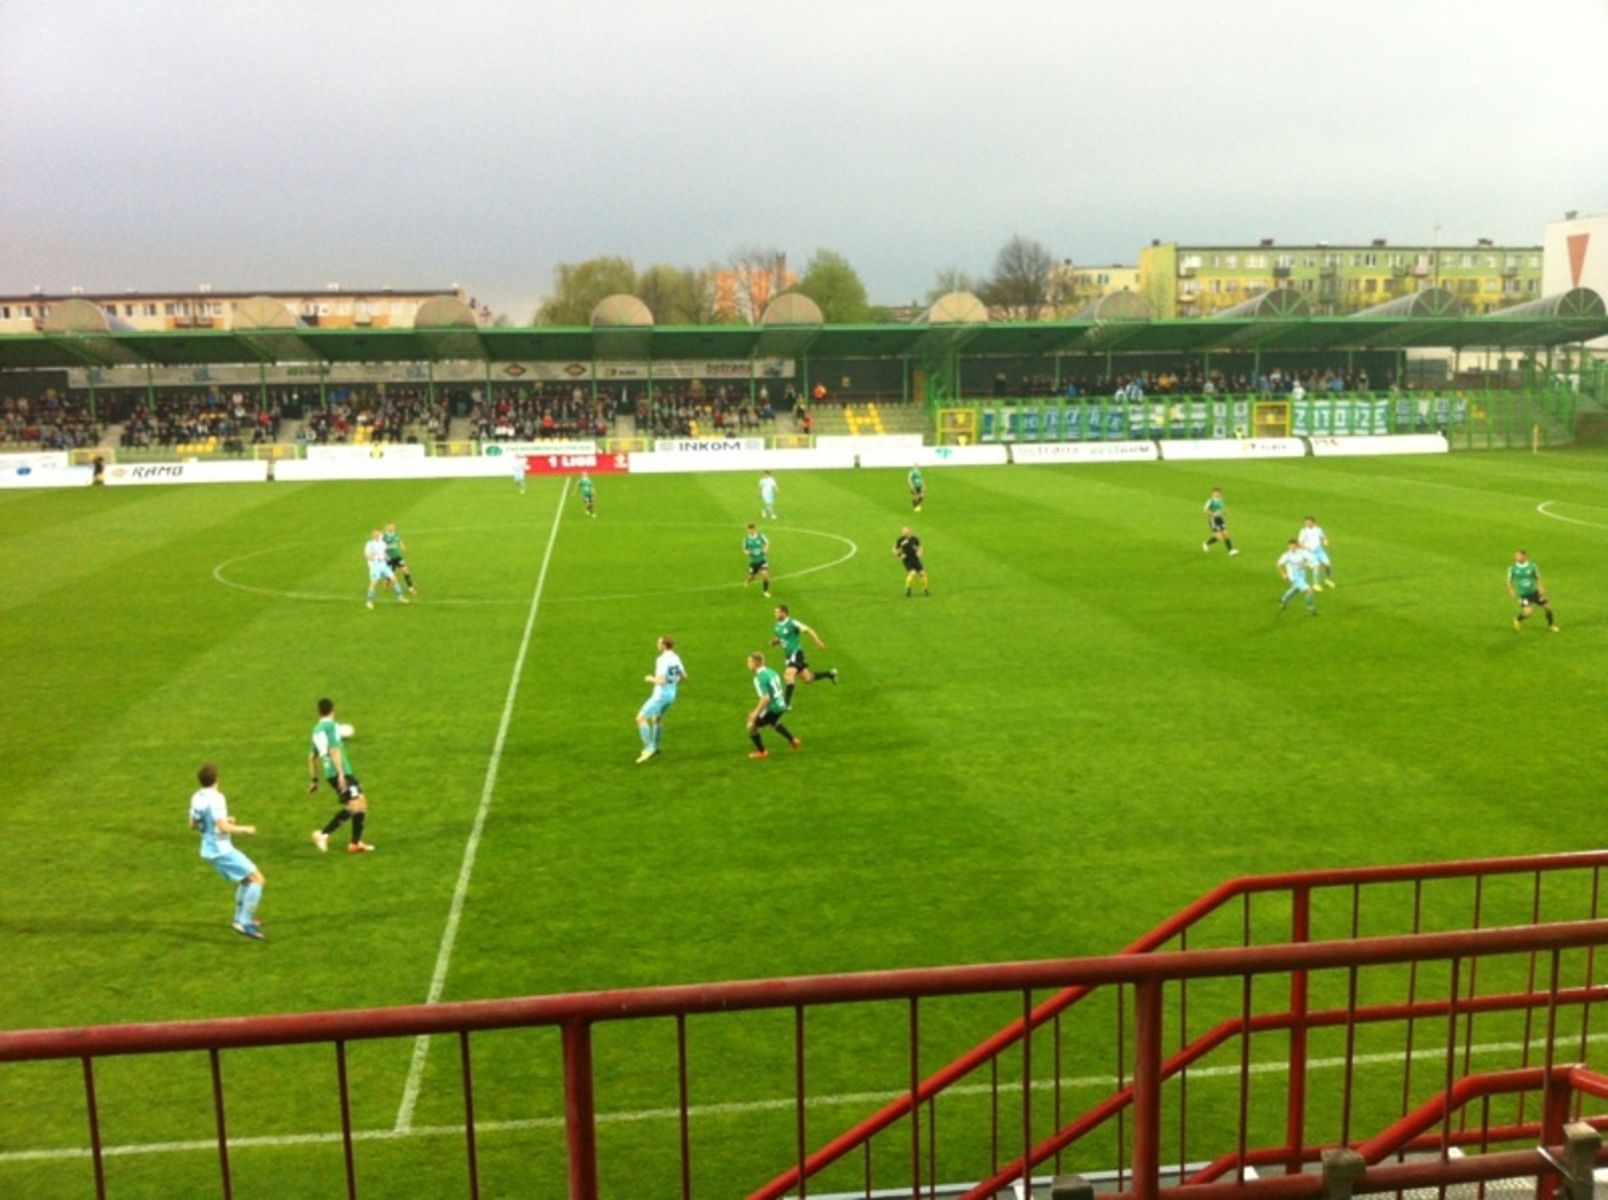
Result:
1295,1120
1580,1145
1146,1090
580,1117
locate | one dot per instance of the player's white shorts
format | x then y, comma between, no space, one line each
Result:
1298,579
233,866
657,704
379,571
1319,556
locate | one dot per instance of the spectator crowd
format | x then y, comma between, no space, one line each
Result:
48,422
183,418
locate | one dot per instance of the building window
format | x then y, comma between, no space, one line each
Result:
1189,261
1256,261
150,308
5,312
1370,284
1231,261
169,309
1217,260
1467,260
1490,261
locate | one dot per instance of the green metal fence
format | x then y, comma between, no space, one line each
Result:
1470,419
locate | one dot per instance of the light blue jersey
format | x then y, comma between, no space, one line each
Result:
374,553
1314,542
1295,564
208,810
669,668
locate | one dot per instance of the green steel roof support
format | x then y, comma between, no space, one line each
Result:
150,386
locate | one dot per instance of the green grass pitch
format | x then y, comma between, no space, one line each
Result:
1089,723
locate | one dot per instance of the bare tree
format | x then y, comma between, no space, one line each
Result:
758,274
1020,285
950,279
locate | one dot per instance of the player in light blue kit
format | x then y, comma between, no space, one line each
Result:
519,466
1316,543
209,814
380,568
767,495
1294,564
668,672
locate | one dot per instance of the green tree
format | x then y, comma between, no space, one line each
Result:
577,288
833,284
677,295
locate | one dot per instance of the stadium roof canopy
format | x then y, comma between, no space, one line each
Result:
1574,316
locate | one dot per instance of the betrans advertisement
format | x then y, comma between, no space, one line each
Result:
574,464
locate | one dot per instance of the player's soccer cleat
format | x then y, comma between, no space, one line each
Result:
369,605
413,591
1552,628
1518,626
795,743
1328,583
832,674
759,754
645,755
359,848
321,840
1205,547
399,600
250,931
1233,553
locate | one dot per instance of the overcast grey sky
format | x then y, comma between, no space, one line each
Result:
264,145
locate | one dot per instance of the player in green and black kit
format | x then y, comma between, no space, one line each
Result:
1524,585
330,750
918,488
757,546
1217,518
790,637
770,709
588,494
395,550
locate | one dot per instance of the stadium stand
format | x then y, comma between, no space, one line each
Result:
47,423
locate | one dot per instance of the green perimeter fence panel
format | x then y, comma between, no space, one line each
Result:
1470,419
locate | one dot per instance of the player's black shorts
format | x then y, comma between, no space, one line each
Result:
397,563
754,568
1219,524
912,564
796,660
1533,598
354,789
918,491
768,718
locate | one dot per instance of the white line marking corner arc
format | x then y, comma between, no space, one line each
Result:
1545,511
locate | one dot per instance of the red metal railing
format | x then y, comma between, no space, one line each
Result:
1297,889
1149,988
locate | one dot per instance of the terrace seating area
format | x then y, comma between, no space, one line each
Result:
47,423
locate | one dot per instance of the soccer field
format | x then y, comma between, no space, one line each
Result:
1088,723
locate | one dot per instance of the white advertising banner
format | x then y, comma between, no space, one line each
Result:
1084,452
709,445
128,474
1404,443
935,456
494,449
662,462
367,450
875,441
293,470
1235,448
46,477
35,459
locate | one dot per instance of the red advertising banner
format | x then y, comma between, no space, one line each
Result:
574,464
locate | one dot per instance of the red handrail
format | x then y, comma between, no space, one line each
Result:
1180,921
586,1008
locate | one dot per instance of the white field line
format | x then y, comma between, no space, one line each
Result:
449,935
1543,510
731,1108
